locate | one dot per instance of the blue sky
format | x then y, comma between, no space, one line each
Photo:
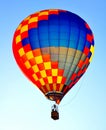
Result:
22,105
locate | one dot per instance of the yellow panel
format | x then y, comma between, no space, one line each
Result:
48,87
59,79
27,64
43,13
19,27
35,77
39,59
61,86
18,39
27,18
54,72
42,82
43,73
33,19
42,88
29,55
21,52
50,79
54,86
24,28
92,51
35,68
47,65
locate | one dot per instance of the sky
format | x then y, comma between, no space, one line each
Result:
22,105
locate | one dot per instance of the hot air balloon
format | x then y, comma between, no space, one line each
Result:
53,48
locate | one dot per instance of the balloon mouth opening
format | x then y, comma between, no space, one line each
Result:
54,96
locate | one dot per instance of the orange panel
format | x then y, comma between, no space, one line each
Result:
46,58
32,61
37,52
80,64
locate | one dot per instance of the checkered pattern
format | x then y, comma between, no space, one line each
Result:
58,62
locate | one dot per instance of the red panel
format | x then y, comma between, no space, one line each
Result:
86,61
24,58
80,64
79,73
38,84
24,22
45,88
31,72
60,72
45,80
33,25
87,26
65,89
54,65
54,79
27,48
86,51
73,76
34,15
51,87
63,80
41,66
57,87
24,34
17,33
38,75
89,38
19,45
49,72
53,12
43,17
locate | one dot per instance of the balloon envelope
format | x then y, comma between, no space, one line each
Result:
53,48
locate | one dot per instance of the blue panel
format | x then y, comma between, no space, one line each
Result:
53,18
83,33
43,35
73,44
44,43
64,28
88,44
34,38
43,26
54,42
81,43
74,34
64,36
53,31
64,43
89,55
25,41
42,22
93,42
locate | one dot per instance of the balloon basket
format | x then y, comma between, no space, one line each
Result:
54,112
